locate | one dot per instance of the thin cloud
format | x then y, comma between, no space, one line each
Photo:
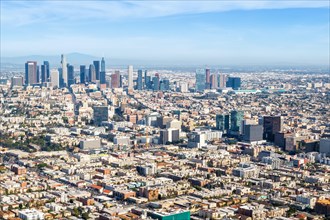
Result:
20,13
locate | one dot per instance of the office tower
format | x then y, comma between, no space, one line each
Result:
55,78
200,80
234,82
156,82
169,135
140,80
130,77
183,87
222,81
17,81
45,72
92,73
31,73
100,114
207,79
272,125
165,85
236,118
70,75
102,73
115,80
147,80
64,70
96,64
253,132
82,73
214,81
223,122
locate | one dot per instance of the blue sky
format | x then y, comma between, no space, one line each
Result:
188,32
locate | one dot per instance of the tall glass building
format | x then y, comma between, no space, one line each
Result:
140,80
200,80
223,122
236,118
82,73
96,64
70,75
102,73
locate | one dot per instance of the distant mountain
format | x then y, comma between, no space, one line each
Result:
75,59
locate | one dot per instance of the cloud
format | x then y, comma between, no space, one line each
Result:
20,13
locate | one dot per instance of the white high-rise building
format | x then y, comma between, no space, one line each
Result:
55,78
64,70
130,77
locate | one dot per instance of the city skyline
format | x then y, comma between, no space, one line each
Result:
173,32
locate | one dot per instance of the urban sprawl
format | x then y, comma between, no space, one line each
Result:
88,142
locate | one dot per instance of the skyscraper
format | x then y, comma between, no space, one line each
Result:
272,125
200,80
130,78
156,82
92,73
70,75
147,80
64,70
97,69
207,79
55,78
82,73
115,80
236,118
140,80
214,81
234,82
223,122
102,73
222,80
31,73
45,72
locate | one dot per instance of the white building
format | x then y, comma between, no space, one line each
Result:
31,214
130,77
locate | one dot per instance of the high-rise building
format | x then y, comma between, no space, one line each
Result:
31,73
82,73
234,82
64,70
55,78
207,78
223,122
147,80
200,80
165,85
156,82
45,72
214,81
130,77
115,80
140,80
222,81
236,118
70,75
17,81
96,64
252,132
100,114
272,125
92,73
102,73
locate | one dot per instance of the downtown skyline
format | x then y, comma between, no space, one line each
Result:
171,32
